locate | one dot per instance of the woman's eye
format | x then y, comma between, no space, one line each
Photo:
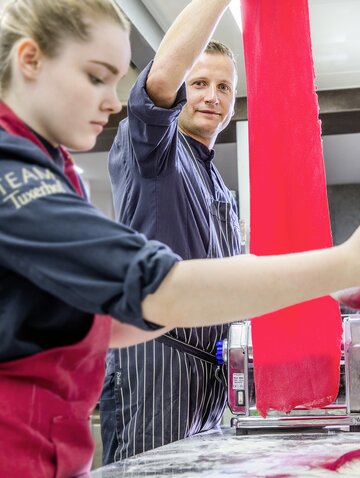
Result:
95,80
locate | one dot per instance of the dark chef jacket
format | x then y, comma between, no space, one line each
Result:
61,260
155,188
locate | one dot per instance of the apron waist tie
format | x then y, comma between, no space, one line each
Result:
187,349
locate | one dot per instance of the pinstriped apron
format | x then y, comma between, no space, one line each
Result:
155,394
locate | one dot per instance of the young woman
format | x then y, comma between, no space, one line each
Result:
65,268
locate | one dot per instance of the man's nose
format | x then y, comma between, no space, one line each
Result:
211,95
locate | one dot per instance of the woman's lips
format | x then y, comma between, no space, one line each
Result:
99,125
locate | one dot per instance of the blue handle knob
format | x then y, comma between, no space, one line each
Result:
219,352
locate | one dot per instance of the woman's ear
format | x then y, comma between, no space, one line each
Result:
28,55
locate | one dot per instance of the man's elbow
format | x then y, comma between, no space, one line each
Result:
159,90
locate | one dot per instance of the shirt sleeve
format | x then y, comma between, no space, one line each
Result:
66,247
151,130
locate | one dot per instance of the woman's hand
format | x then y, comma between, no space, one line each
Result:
348,297
351,297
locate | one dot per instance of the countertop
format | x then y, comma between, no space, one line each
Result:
221,453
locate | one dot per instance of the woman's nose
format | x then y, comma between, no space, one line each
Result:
112,103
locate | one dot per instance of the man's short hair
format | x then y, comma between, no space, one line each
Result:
215,47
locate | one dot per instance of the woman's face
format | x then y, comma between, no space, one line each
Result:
74,94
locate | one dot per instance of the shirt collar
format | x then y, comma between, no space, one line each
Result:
200,151
53,151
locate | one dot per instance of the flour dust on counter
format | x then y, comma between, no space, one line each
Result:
221,453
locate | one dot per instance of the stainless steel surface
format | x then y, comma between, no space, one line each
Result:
220,453
352,362
294,422
96,434
345,411
238,364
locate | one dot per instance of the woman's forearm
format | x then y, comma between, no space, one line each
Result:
125,335
201,292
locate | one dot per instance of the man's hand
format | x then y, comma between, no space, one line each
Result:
181,47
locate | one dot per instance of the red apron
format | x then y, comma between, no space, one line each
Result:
45,404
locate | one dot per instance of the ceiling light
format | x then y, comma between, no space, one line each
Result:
236,11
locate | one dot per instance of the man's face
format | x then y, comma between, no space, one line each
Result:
210,90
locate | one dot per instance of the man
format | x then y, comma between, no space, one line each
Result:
166,185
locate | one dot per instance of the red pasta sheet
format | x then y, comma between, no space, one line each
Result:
335,465
296,350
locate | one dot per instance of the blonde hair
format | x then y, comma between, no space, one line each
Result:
215,47
49,22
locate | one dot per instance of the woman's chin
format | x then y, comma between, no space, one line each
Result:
82,146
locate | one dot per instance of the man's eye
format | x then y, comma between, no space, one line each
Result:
225,87
95,81
199,83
